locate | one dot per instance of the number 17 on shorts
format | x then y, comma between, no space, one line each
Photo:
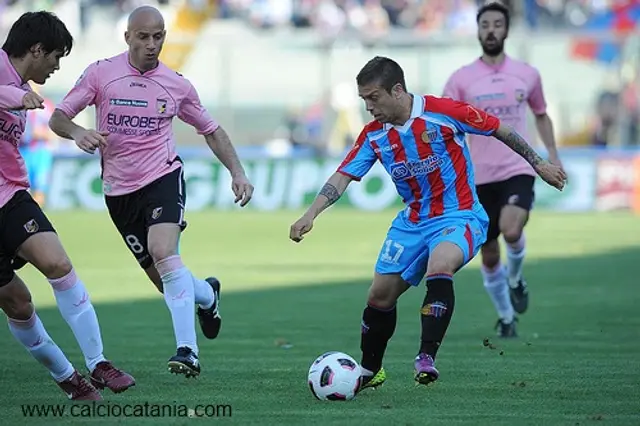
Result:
407,246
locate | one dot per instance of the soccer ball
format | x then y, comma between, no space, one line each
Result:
334,376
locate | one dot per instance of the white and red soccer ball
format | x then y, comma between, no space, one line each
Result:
334,376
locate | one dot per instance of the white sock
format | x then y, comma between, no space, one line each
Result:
38,343
76,309
179,296
515,258
495,282
203,293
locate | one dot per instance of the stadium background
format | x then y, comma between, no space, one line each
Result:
280,76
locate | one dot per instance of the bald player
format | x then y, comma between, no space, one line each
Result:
136,98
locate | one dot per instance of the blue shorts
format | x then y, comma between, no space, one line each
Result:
407,245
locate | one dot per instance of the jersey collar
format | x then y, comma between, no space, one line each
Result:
416,111
496,68
136,71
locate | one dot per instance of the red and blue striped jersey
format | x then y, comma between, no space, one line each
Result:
427,158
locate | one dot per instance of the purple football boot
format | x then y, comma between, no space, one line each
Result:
425,369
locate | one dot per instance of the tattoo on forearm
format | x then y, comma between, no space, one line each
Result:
332,194
517,143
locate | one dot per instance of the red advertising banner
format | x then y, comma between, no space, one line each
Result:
615,183
636,186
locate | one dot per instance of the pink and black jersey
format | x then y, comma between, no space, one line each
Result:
137,109
427,157
504,91
13,172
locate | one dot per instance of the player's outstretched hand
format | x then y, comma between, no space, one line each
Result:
552,174
32,100
301,227
242,188
89,140
554,159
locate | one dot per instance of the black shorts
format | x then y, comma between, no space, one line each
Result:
20,218
162,201
516,191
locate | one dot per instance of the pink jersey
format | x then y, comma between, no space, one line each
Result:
501,91
137,110
13,173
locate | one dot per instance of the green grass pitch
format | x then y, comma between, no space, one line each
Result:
577,361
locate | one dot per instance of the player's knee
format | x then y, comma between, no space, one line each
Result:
512,233
490,261
442,266
15,300
56,266
491,254
161,250
20,309
380,298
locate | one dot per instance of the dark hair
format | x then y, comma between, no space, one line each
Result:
382,70
38,28
494,7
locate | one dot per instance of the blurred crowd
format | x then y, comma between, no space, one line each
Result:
375,15
376,18
422,15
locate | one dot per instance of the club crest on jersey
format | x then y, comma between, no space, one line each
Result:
429,136
156,213
520,95
31,226
161,106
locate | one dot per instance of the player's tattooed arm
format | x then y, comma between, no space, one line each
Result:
517,143
331,192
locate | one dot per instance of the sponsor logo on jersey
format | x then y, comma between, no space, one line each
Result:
406,169
136,103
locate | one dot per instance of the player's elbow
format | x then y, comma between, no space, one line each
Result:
503,132
341,181
55,121
543,121
215,135
541,118
59,123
